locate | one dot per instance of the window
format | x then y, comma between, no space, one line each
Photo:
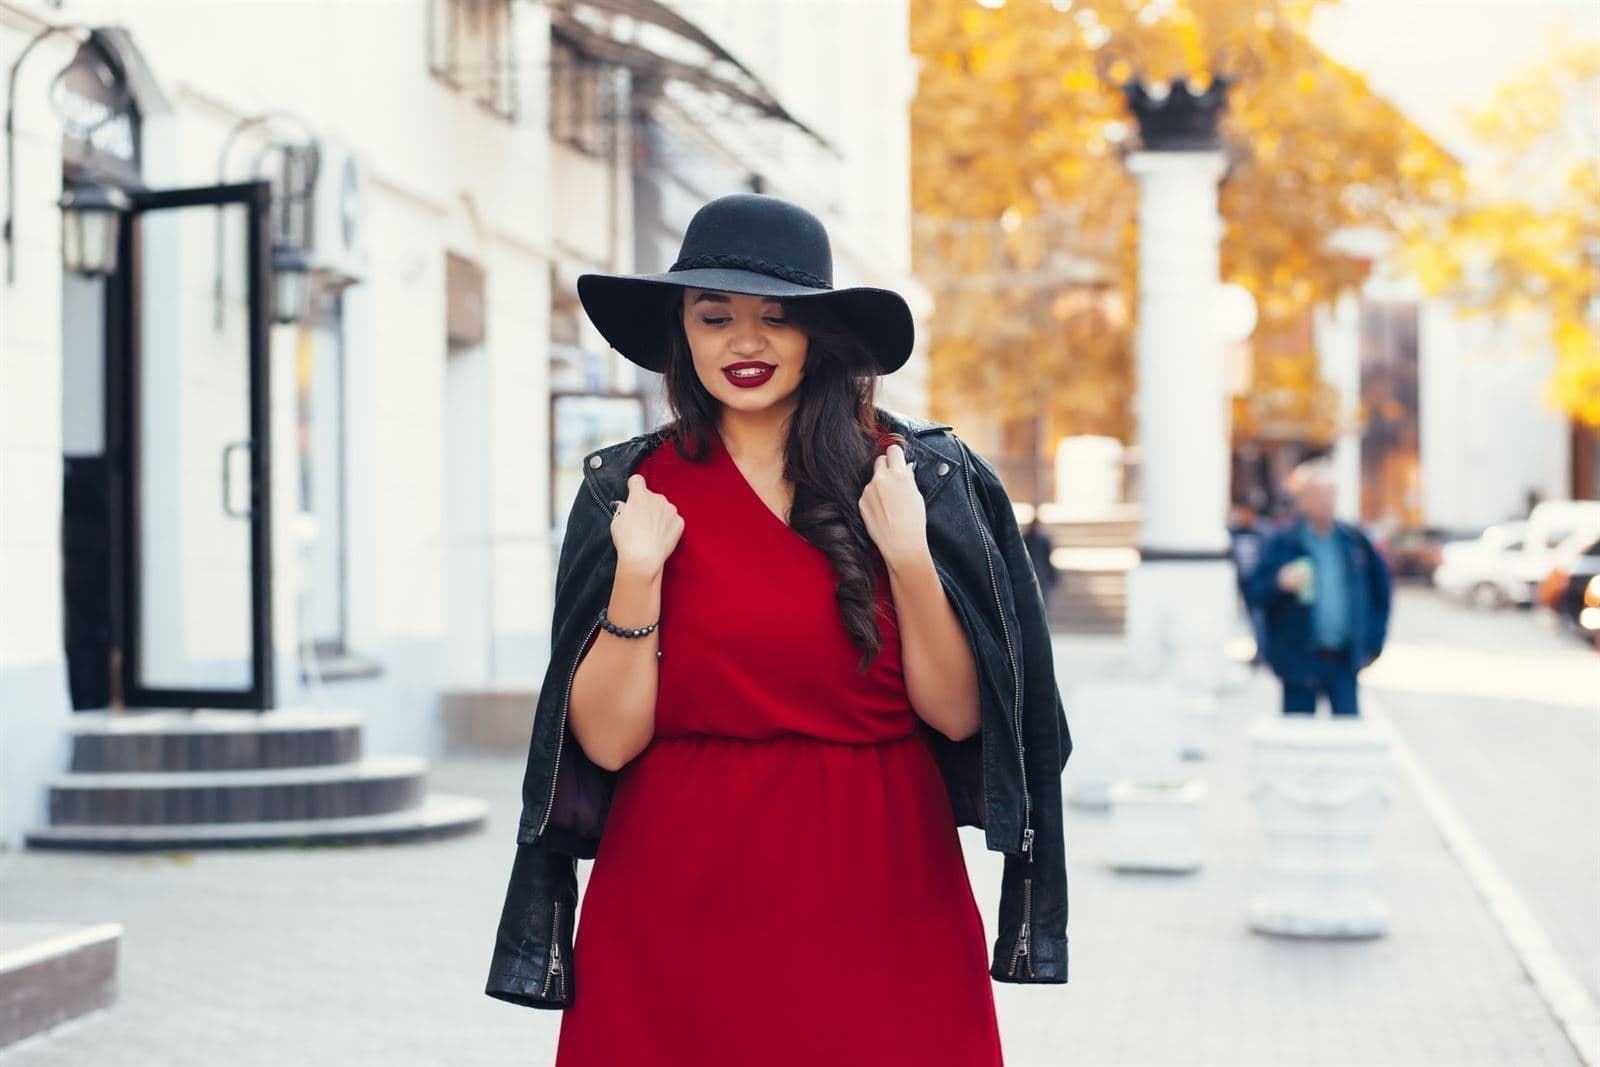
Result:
1391,463
469,48
319,438
584,100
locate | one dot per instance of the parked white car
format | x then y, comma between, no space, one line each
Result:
1493,570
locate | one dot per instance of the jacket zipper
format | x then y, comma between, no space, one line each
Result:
1023,946
555,958
596,494
1024,933
1011,662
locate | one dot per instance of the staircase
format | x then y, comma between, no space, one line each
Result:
1092,560
208,779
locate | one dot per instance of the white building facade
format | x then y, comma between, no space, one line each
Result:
201,506
1483,437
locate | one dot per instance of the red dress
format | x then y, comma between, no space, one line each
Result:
780,879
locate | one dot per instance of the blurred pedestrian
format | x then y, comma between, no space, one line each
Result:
1247,535
1037,538
1324,592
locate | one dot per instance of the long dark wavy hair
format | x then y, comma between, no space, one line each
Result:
828,456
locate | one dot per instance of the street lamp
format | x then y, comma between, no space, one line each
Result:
91,214
291,266
95,229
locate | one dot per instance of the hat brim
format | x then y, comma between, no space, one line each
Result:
620,306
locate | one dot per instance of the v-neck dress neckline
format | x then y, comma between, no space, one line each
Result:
725,458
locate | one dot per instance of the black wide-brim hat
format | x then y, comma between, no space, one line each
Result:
756,245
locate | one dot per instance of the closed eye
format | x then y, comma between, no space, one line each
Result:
770,319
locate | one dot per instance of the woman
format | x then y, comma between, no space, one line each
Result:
787,699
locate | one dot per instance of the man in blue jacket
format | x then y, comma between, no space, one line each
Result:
1324,591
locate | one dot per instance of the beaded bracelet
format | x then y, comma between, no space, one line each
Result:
620,631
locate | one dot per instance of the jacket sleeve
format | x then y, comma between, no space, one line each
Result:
1261,588
1033,888
1382,593
532,960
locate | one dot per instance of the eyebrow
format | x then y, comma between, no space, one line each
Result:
722,298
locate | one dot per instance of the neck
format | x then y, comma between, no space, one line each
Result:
1321,527
757,435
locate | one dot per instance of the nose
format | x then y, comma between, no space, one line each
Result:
747,337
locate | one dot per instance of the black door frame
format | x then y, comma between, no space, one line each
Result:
127,335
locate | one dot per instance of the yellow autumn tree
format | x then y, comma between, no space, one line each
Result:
1025,214
1525,237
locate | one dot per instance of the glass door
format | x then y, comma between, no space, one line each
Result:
198,545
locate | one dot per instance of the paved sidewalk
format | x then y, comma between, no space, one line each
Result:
376,955
1166,971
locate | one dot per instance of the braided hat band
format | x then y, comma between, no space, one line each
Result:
751,263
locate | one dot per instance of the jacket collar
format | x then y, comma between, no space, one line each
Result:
1340,531
936,455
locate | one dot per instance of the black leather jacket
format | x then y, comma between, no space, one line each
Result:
1005,779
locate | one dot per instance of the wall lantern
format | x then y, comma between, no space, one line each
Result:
92,210
291,284
292,194
91,215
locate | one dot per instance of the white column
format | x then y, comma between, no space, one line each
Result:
1181,610
1338,337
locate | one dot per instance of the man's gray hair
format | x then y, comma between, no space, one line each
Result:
1317,471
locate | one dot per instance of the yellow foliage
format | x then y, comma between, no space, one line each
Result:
1524,236
1020,193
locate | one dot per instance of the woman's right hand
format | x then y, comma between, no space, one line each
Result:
645,529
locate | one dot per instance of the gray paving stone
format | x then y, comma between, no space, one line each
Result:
376,954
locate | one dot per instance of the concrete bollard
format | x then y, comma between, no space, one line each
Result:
1156,826
1321,785
1121,730
1198,674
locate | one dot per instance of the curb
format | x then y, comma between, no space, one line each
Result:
1557,986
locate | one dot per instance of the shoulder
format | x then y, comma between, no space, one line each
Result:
1355,534
620,458
908,425
1282,539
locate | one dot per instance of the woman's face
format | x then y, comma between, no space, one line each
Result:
747,353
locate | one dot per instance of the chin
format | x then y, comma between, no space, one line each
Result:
753,400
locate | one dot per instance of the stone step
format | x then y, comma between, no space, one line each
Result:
372,786
1073,534
438,815
487,721
211,739
52,972
1090,602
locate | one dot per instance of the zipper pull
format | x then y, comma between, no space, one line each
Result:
1022,938
555,959
1027,843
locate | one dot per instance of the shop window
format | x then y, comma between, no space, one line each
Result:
1391,462
470,48
584,100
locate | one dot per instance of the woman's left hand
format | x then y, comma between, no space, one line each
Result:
894,511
